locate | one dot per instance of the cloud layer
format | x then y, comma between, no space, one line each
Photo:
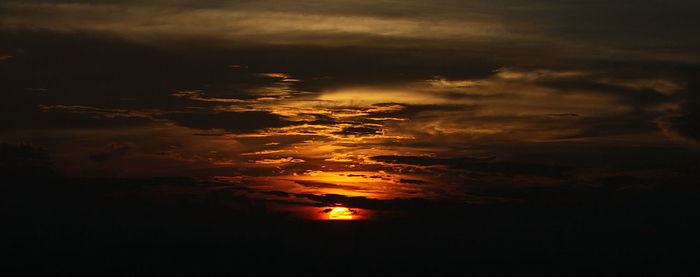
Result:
357,102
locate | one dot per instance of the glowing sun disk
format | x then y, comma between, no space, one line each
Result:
340,213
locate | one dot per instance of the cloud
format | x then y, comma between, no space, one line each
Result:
406,207
420,160
317,184
479,164
203,87
112,151
685,128
412,181
359,131
23,160
235,122
27,116
277,193
532,29
683,122
241,23
199,96
563,115
621,181
279,161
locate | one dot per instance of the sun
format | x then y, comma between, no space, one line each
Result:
340,213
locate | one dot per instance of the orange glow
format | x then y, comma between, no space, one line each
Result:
340,213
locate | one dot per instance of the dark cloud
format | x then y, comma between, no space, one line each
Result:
236,122
625,124
412,181
590,61
25,115
322,119
209,135
112,151
108,72
684,126
316,184
356,175
421,160
408,206
462,104
611,190
563,115
479,164
543,195
23,160
411,111
277,193
621,181
359,131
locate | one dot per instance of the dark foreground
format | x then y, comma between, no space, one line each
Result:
67,225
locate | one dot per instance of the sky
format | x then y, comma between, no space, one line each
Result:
307,106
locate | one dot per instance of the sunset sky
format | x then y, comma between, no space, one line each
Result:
307,105
350,137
